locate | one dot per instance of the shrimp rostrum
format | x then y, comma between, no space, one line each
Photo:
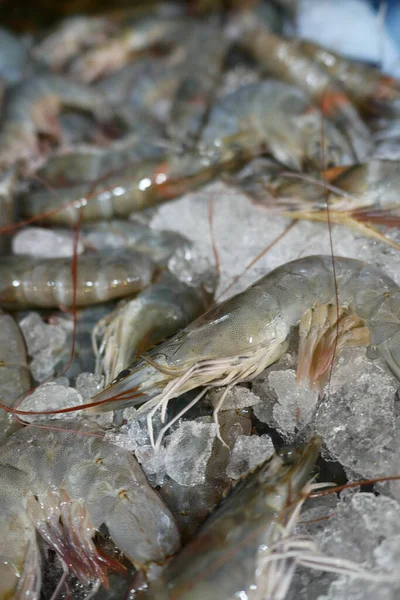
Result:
239,338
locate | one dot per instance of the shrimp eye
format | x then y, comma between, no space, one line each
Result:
287,454
122,375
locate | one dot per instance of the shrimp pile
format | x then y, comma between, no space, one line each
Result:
199,238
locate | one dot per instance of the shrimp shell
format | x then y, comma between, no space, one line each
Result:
47,283
239,338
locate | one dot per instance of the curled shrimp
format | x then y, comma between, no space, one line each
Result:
283,59
275,117
239,338
32,107
65,484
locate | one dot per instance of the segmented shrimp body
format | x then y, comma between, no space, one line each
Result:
239,338
15,380
131,189
285,60
229,556
32,107
27,281
275,117
65,484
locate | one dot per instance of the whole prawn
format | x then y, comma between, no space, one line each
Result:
239,338
66,484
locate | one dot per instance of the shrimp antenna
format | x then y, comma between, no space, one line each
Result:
328,215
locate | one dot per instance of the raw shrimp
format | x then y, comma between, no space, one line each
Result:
70,37
131,189
45,283
205,53
66,484
147,84
358,196
87,163
15,380
275,117
284,60
239,338
117,51
157,313
368,87
31,107
159,245
246,549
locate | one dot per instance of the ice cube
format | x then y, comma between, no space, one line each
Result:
357,416
366,529
39,335
51,396
152,463
88,384
296,403
237,397
247,453
188,452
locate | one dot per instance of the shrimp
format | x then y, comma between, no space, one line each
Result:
275,117
237,339
358,196
88,163
206,50
157,313
31,108
368,87
44,283
131,189
246,549
117,51
65,484
15,379
283,59
147,84
159,245
71,36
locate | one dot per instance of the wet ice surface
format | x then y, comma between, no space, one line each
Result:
51,396
361,527
188,452
242,230
247,453
45,344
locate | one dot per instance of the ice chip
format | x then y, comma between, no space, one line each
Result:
188,452
247,453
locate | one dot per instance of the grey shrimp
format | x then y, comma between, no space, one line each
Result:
65,484
27,281
239,338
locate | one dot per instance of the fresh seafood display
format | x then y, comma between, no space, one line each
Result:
199,306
